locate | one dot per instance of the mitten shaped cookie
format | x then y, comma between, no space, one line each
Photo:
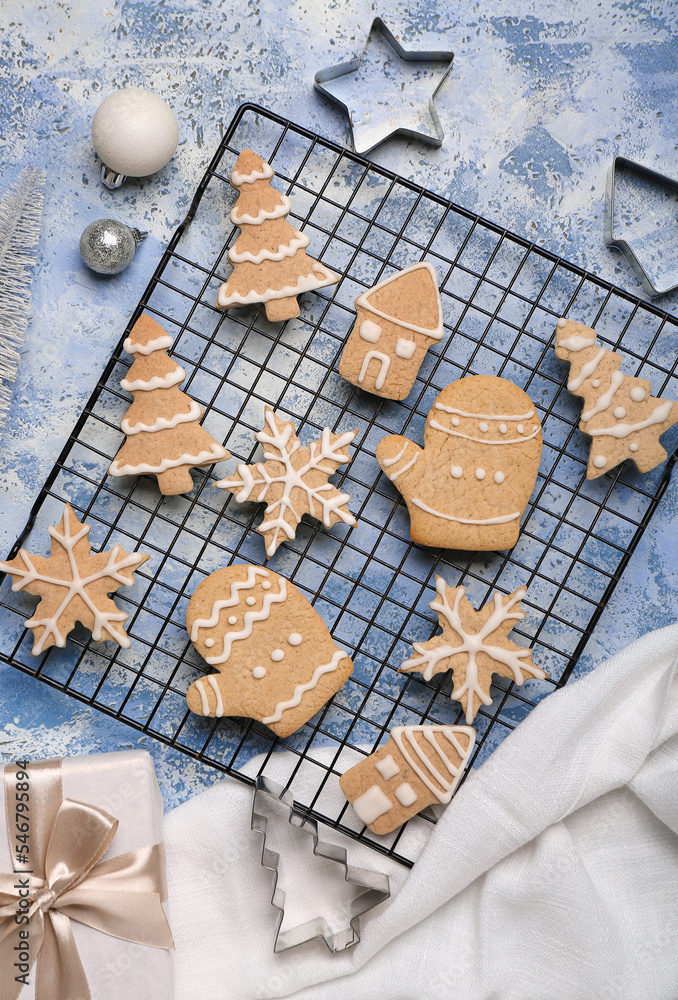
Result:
468,486
419,766
163,432
276,659
397,322
269,261
474,645
620,415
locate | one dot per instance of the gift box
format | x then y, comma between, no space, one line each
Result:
82,881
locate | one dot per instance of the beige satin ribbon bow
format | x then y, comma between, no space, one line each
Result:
120,897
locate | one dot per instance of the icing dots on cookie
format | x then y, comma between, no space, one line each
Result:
277,655
294,639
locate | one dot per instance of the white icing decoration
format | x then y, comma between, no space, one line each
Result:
277,655
204,703
284,250
157,382
595,383
209,643
258,673
443,784
266,172
499,477
473,643
76,586
369,331
385,365
305,283
301,689
388,462
262,215
405,348
520,429
214,454
251,601
482,426
456,471
372,804
266,585
502,428
600,461
253,572
387,767
363,302
405,795
294,639
480,473
484,416
469,437
561,322
294,478
232,620
406,466
658,416
604,401
577,343
619,412
465,520
219,709
637,394
633,446
586,371
161,423
455,421
158,344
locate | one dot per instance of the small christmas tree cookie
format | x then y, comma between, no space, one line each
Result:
164,436
396,323
269,260
620,415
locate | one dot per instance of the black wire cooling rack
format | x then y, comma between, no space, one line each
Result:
501,298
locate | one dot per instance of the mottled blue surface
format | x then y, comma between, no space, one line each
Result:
535,107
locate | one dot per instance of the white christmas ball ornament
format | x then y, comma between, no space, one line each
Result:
134,133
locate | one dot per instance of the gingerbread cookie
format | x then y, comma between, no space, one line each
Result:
468,486
419,766
276,659
620,415
293,480
164,437
396,323
269,261
474,645
73,585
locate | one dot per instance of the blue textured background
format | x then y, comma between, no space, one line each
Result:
534,109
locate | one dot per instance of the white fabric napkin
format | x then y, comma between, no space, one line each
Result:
552,874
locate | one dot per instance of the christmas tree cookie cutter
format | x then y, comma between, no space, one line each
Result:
273,804
366,135
653,249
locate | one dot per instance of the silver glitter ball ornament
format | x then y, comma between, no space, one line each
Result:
107,246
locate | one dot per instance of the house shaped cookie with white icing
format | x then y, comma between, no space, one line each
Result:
398,320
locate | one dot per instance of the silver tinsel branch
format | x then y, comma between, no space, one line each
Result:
20,218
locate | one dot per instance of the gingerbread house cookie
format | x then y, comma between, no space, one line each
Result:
396,323
467,487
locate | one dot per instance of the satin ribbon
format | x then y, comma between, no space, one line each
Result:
121,897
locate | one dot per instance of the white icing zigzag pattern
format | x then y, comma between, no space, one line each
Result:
301,689
444,781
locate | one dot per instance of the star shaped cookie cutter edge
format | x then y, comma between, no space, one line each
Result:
376,884
343,69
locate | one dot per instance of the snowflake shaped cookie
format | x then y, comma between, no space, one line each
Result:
293,480
73,585
474,645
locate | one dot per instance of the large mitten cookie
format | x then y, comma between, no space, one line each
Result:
419,766
620,415
276,659
396,323
468,486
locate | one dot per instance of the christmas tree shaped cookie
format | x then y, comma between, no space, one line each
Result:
419,766
620,415
396,323
269,261
474,645
164,436
74,585
467,487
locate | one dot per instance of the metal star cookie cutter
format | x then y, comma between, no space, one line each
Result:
365,138
656,245
272,802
